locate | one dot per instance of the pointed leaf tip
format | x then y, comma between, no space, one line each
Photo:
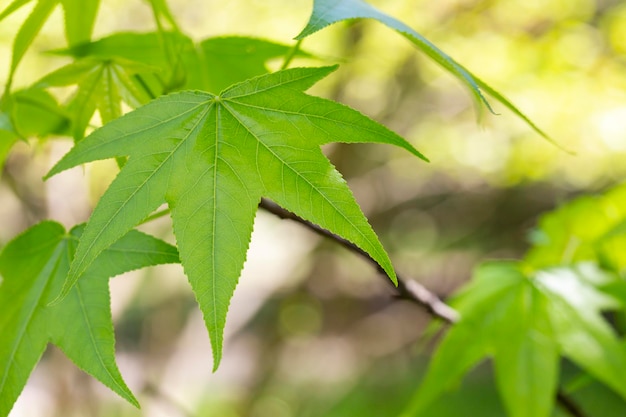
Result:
263,138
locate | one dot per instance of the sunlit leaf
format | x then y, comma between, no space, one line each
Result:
211,65
13,7
231,59
327,12
525,323
585,229
484,306
211,158
102,85
526,354
33,268
28,31
80,16
582,333
163,53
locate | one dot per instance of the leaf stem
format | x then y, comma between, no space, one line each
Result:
292,53
155,216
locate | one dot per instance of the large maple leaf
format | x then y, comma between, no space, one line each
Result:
33,268
212,158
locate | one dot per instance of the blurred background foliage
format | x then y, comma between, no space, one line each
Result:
313,331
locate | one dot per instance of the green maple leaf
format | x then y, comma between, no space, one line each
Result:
212,64
526,323
33,268
103,84
211,158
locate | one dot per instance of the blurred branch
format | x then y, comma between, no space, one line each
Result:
407,289
154,391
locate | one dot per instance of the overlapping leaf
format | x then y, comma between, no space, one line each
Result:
33,268
163,54
327,12
526,324
211,158
211,65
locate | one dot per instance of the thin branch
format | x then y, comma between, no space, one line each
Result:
154,391
407,289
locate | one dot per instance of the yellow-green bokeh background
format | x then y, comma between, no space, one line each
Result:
313,331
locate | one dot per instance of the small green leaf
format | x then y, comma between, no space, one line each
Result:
33,267
583,335
27,32
212,158
164,55
327,12
102,84
146,48
80,16
16,5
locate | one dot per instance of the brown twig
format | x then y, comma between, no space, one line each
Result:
407,289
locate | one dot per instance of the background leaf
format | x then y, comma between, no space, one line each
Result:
27,32
80,16
582,333
13,7
327,12
231,59
585,229
102,84
33,268
526,355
